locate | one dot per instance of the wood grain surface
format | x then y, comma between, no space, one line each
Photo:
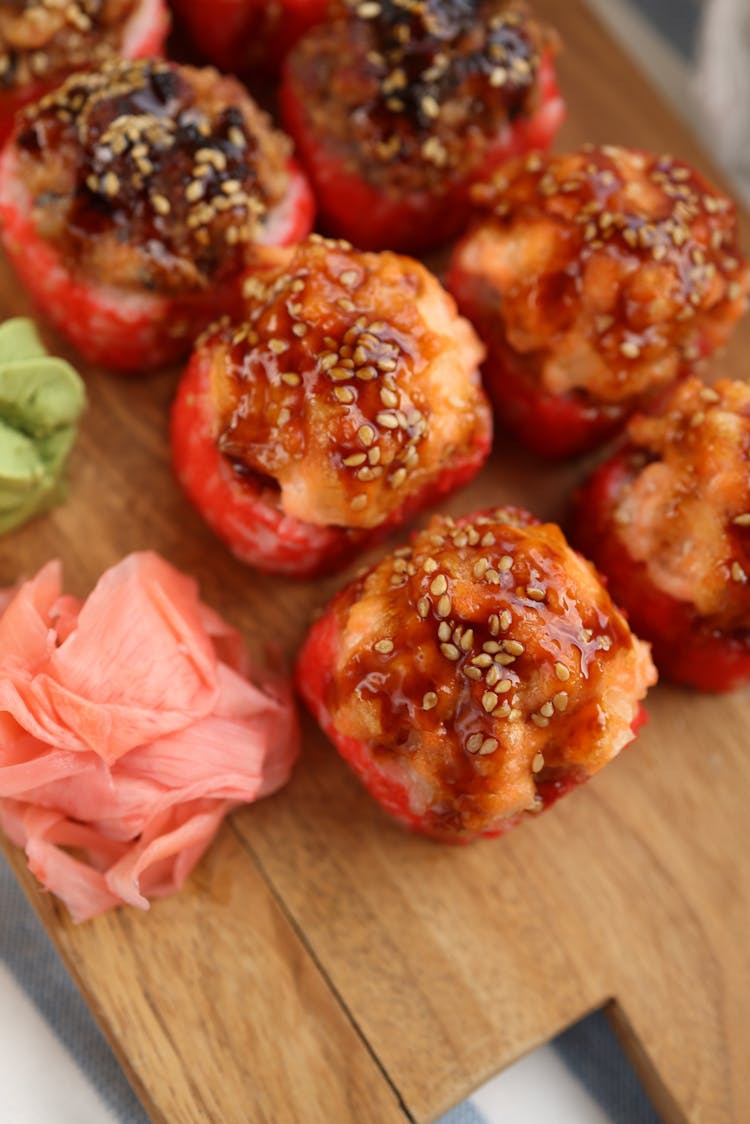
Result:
322,965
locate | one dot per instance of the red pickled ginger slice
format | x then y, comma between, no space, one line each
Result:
128,729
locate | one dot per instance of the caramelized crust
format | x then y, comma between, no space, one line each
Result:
411,93
605,271
351,384
685,513
43,39
151,175
482,661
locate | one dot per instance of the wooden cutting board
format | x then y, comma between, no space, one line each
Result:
322,965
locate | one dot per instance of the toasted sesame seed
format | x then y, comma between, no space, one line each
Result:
439,585
489,745
450,651
474,743
562,672
423,607
430,701
538,763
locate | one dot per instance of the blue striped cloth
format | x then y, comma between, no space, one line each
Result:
589,1050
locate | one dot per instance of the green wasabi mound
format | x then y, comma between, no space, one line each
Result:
41,400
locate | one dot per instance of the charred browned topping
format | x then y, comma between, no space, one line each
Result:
413,90
150,173
685,512
625,263
352,382
42,40
483,657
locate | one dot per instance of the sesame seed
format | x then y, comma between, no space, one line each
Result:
110,184
349,277
742,520
547,710
514,647
430,701
738,574
278,347
444,632
291,378
366,434
355,460
538,763
534,593
339,374
161,204
561,700
385,647
439,585
481,567
493,623
299,330
503,686
482,661
444,606
505,564
450,651
472,673
506,620
467,640
630,349
358,502
489,745
430,566
345,304
423,607
540,720
398,477
283,416
367,474
343,394
491,647
562,672
474,743
515,715
388,421
488,539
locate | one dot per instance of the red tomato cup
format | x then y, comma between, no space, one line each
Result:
131,199
475,676
247,36
346,398
596,280
44,43
667,520
396,110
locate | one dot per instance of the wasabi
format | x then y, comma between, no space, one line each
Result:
41,400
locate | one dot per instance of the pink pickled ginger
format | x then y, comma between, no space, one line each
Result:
128,729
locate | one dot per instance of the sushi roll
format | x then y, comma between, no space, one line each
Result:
596,279
43,41
397,107
667,520
475,676
247,36
346,398
131,198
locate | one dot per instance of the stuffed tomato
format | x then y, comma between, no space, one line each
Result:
667,520
475,676
596,280
247,36
395,109
346,398
131,198
42,43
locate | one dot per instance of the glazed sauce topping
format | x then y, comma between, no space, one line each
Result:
152,172
481,655
685,512
350,383
426,80
41,40
629,262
